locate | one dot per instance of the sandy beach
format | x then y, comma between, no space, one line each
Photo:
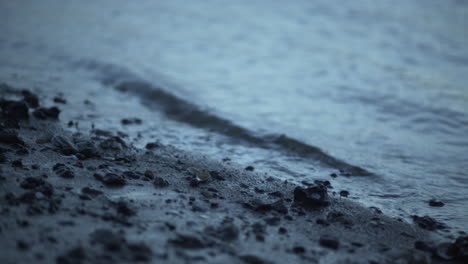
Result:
78,195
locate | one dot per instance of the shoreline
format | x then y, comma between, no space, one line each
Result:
90,196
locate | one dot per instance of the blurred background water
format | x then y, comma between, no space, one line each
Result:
378,84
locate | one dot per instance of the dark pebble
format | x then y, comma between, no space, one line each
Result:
252,259
187,242
20,244
435,203
15,110
31,99
459,249
47,113
298,250
91,191
31,183
113,180
131,121
311,197
160,182
344,193
74,256
152,145
59,100
63,171
329,242
249,168
17,164
428,223
10,138
124,209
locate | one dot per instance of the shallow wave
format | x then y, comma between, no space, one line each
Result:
182,110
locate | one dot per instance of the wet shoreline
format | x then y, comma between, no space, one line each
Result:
99,199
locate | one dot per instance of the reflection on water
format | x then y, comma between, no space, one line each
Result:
379,85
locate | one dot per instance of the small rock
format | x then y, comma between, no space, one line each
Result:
63,171
131,121
17,164
31,99
124,209
187,242
202,175
249,168
47,113
15,110
329,242
459,249
152,145
10,138
160,182
91,191
311,197
113,180
74,256
298,250
20,244
107,239
435,203
252,259
31,183
59,100
63,145
428,223
149,175
344,193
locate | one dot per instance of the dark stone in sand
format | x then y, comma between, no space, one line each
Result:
298,250
21,245
31,183
428,223
113,180
74,256
152,145
85,149
160,182
17,164
14,110
187,242
344,193
63,145
31,99
113,143
249,168
435,203
259,230
227,231
124,209
10,138
459,249
47,113
149,175
91,191
252,259
311,197
107,239
261,206
423,246
131,121
63,171
59,100
329,242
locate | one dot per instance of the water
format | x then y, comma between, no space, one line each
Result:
377,85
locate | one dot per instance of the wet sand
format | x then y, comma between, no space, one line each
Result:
74,193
